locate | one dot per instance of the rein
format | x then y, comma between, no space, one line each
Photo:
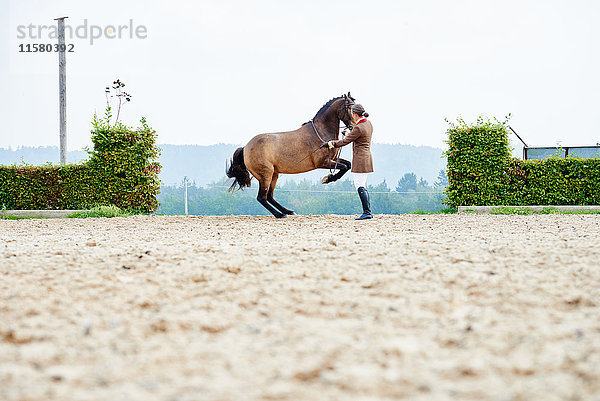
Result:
317,132
323,143
305,157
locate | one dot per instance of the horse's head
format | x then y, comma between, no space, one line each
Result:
336,110
344,111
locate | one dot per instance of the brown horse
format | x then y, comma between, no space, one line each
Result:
292,152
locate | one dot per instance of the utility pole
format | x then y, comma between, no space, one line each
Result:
62,88
185,194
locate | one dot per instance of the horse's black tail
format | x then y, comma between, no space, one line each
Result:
237,169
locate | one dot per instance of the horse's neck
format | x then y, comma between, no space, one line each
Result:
328,125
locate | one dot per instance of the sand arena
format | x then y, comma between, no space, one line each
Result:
306,308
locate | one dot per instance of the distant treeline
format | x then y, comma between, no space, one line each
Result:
206,164
306,197
38,155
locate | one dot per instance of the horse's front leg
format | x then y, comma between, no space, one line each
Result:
343,166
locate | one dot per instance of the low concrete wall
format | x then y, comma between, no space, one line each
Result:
40,213
560,208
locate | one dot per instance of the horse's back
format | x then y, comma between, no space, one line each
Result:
260,147
280,150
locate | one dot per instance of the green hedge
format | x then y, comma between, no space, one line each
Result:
481,171
120,171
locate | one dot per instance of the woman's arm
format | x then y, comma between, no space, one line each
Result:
351,137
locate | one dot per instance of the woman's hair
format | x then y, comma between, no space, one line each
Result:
360,110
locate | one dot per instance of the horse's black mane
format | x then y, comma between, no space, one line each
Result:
324,107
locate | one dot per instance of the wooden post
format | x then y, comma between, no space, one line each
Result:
62,88
185,194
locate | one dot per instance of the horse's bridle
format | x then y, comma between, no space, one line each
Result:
348,108
348,103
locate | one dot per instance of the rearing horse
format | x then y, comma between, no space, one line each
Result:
292,152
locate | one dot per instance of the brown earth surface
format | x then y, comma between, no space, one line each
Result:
306,308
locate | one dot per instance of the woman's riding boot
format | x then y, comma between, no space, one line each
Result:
364,199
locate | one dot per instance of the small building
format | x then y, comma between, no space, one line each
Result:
586,152
542,152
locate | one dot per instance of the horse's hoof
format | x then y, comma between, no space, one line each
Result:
326,179
290,213
282,216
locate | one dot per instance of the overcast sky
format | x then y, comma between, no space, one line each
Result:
223,71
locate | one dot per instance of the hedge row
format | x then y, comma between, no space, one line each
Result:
481,171
120,171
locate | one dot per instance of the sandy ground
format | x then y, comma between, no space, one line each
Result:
309,308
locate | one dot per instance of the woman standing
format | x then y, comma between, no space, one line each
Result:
362,161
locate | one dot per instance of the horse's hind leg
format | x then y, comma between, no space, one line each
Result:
263,187
273,201
342,164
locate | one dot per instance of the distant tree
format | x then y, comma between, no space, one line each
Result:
442,180
305,184
345,185
407,182
423,183
381,187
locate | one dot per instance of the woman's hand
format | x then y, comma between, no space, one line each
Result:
330,145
